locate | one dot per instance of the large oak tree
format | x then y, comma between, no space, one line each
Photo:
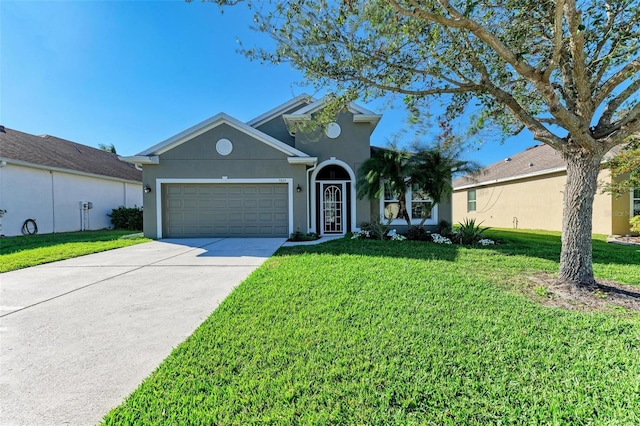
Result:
566,70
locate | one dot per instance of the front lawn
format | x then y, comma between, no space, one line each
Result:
386,332
31,250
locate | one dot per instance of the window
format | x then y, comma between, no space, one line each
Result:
635,202
419,205
471,200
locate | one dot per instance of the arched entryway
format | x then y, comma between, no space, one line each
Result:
333,198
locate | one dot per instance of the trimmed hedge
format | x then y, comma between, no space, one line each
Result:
127,218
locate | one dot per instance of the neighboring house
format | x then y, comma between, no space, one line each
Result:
62,185
224,177
526,191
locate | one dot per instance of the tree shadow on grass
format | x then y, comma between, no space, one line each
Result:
540,244
546,245
422,250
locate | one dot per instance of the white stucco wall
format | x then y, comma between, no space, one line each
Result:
52,199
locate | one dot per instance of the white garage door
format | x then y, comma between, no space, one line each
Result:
225,210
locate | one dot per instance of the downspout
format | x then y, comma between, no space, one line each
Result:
309,196
53,204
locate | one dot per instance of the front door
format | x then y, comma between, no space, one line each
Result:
333,211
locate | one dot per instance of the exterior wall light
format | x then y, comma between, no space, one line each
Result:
147,189
298,189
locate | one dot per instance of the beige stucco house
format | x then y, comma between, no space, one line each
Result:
526,191
265,177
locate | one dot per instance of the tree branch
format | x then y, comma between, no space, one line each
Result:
615,80
580,76
555,59
629,125
615,103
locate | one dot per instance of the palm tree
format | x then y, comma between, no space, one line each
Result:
433,170
428,169
387,170
109,148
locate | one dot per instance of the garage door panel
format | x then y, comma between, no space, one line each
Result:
279,205
235,210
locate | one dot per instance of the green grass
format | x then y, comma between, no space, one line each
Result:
31,250
373,332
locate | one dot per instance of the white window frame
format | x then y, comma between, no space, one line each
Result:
469,201
400,220
633,199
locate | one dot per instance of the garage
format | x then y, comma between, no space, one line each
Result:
225,210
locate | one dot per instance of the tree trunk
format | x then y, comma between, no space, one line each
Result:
403,210
576,255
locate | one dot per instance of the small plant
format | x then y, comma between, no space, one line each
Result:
635,224
486,242
299,236
394,236
375,229
439,239
469,232
542,291
127,218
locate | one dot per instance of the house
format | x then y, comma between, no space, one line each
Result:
62,185
226,178
526,191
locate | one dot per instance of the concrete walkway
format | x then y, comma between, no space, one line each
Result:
78,336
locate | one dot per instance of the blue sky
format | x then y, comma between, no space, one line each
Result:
133,73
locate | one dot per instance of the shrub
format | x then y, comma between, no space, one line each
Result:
127,218
468,232
299,236
418,233
444,228
374,230
635,224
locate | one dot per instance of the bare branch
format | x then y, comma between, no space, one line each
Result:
580,76
629,125
540,132
557,40
615,103
615,80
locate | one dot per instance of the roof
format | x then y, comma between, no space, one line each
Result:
301,101
360,114
536,160
56,153
211,123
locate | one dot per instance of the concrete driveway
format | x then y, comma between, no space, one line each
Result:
78,336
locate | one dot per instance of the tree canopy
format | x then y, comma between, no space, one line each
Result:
566,70
558,68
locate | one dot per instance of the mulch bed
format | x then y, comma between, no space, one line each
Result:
607,295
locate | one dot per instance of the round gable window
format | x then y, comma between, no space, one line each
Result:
224,147
333,130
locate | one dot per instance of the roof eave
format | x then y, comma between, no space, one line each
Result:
511,178
140,159
307,161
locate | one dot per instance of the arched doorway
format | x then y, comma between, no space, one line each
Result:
333,198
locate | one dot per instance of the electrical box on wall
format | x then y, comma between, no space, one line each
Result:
86,205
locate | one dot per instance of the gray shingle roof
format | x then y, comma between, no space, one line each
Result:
50,151
537,159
